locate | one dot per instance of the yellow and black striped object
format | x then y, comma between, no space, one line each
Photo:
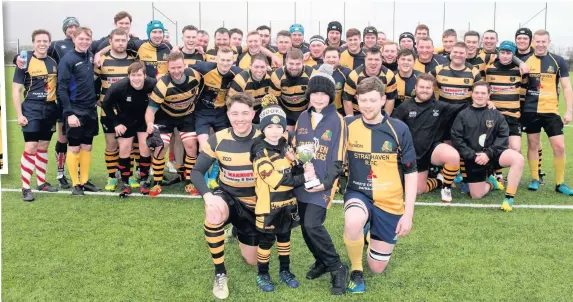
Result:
177,99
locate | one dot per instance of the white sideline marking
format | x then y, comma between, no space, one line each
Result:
430,204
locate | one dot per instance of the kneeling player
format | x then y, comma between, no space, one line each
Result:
481,136
380,155
130,97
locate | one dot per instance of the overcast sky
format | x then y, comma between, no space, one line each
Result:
21,18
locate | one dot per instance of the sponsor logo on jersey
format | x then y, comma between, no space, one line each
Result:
436,112
128,99
550,69
413,114
327,135
387,147
489,123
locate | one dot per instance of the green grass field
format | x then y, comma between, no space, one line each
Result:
105,248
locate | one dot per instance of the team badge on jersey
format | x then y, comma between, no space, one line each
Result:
489,123
550,69
338,85
327,136
387,147
512,79
54,70
466,81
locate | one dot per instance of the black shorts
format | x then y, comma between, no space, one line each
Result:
168,123
514,125
242,218
423,163
207,119
532,123
473,172
133,128
39,130
60,112
106,125
88,127
292,117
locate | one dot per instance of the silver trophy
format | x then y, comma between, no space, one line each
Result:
306,153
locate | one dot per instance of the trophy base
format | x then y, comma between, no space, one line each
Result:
312,183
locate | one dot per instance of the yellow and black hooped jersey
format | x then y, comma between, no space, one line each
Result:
215,85
428,67
154,57
481,61
244,82
290,91
455,86
280,56
235,165
378,157
243,61
406,87
357,75
39,79
211,54
542,90
193,58
177,100
111,70
313,61
507,86
350,60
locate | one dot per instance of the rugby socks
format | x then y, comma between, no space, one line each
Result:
510,192
135,156
540,154
73,162
354,250
27,168
432,184
158,165
85,164
124,166
41,166
215,236
61,151
463,168
449,173
283,248
189,164
264,253
111,158
559,164
534,169
144,164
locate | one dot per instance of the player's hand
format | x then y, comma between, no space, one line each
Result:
568,117
22,120
306,56
97,59
404,226
20,62
199,50
277,62
524,68
175,50
290,155
120,130
73,121
491,105
213,202
149,128
318,188
482,159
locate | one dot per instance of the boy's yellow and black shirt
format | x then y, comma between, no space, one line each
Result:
111,70
428,67
215,85
154,56
39,79
177,100
378,156
289,90
455,86
507,86
244,82
356,76
542,90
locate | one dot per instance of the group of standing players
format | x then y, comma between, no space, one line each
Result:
378,112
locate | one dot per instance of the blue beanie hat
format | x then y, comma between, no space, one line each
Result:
154,24
295,28
507,45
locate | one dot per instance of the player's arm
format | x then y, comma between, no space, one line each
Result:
204,162
501,142
109,102
522,65
271,56
400,112
64,79
263,166
155,100
391,92
458,139
408,163
349,93
567,91
17,86
336,158
97,83
275,84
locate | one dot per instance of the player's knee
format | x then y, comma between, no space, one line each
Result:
249,254
377,261
453,157
476,195
518,160
558,148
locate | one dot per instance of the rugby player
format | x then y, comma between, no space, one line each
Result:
334,34
125,104
541,110
316,46
171,107
427,60
284,44
370,37
297,35
480,135
422,31
449,38
236,37
372,68
203,39
339,74
389,55
222,39
76,91
113,68
353,56
192,52
121,20
265,33
254,47
381,182
234,200
407,41
381,39
288,85
37,113
406,76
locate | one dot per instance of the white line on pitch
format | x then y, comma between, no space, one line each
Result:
430,204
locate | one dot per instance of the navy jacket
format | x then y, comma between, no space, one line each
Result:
331,136
76,89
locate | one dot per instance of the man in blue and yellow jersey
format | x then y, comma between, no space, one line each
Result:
113,68
284,44
254,47
297,35
37,113
288,85
475,56
406,76
372,68
171,107
191,51
203,39
353,56
316,46
382,182
222,39
339,74
406,40
541,108
265,33
122,20
427,60
449,38
369,37
390,55
236,37
333,34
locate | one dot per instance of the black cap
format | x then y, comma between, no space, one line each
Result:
370,30
334,25
524,31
